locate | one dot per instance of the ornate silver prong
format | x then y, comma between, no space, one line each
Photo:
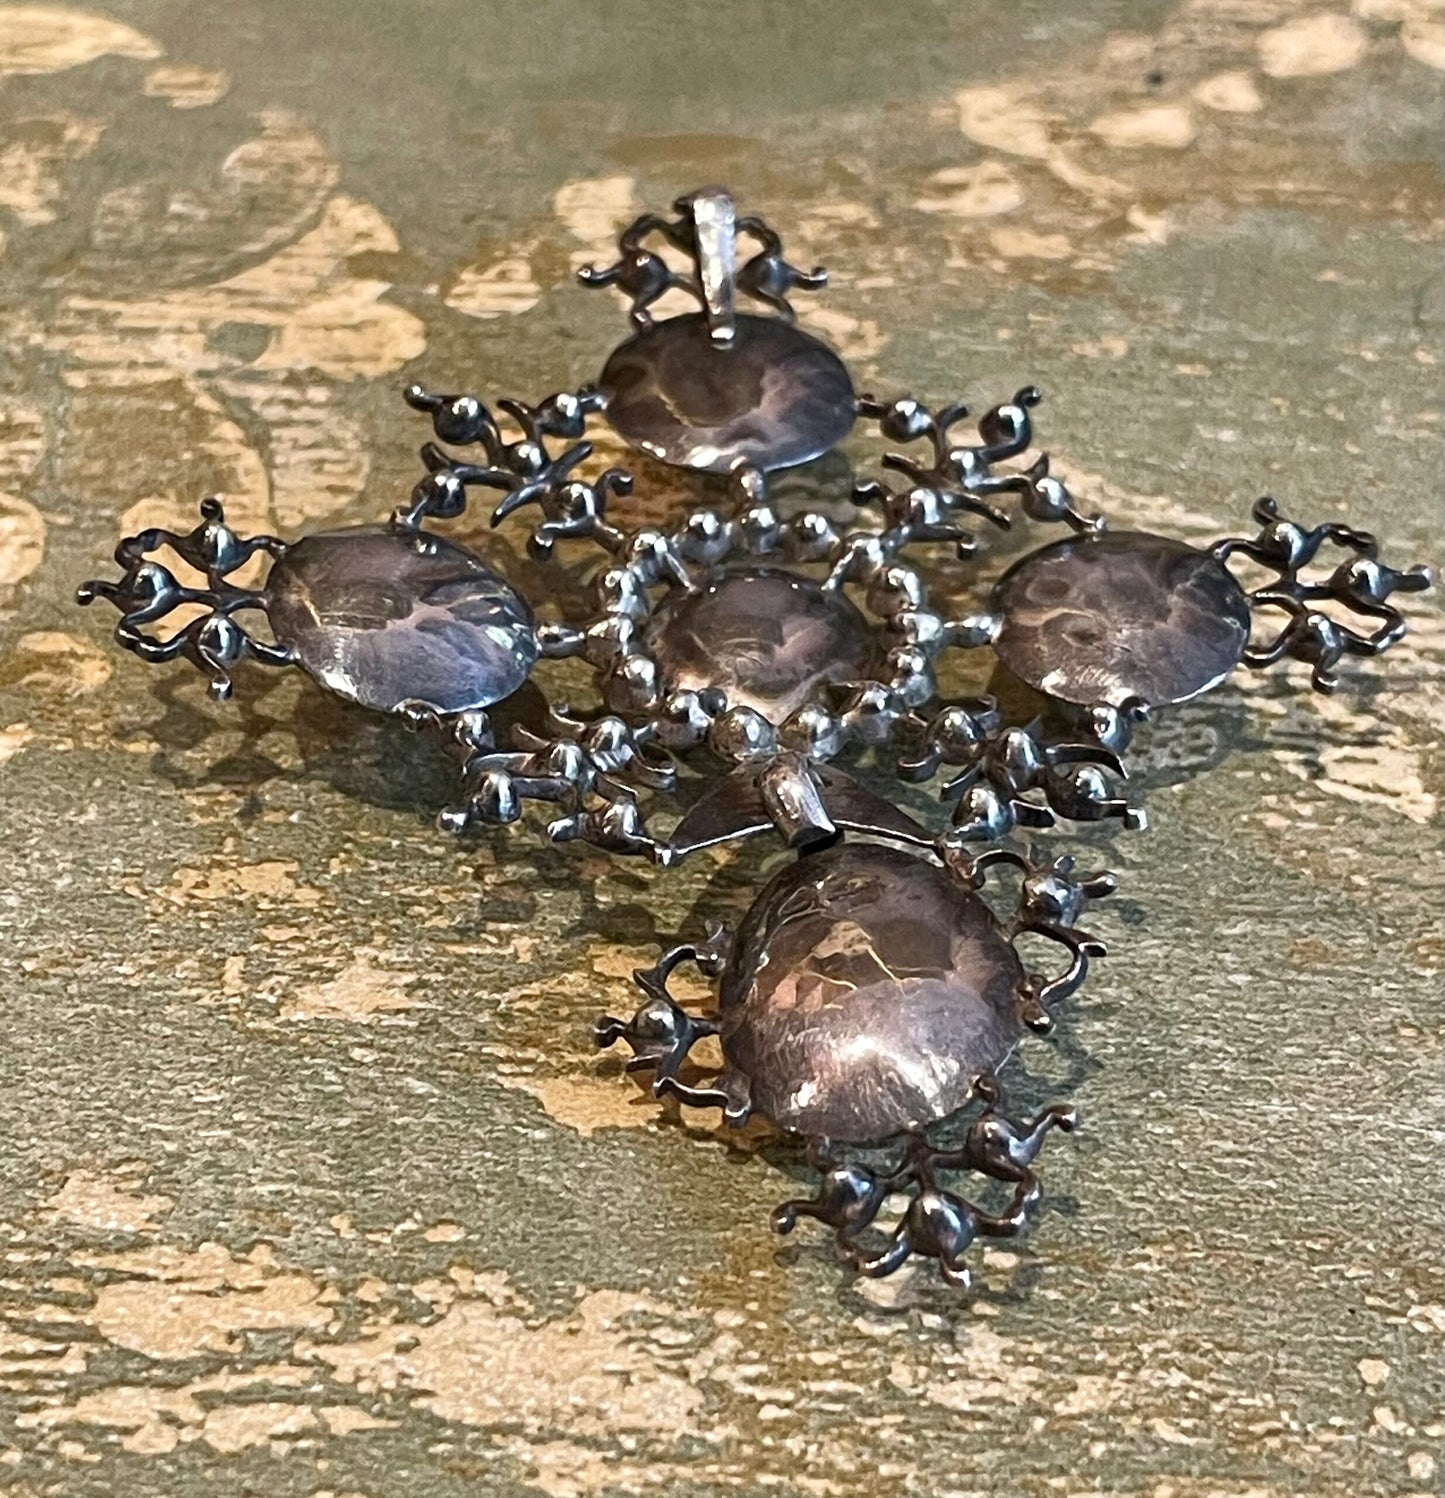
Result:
526,471
639,273
1003,767
705,231
215,643
768,277
1051,900
661,1033
960,478
1361,584
937,1224
592,770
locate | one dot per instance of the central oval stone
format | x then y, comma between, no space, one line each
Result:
865,991
766,638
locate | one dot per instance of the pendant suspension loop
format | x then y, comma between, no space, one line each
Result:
793,798
714,226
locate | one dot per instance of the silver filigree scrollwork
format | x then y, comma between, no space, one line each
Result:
937,1224
895,1148
525,471
960,478
854,1184
705,548
1052,897
214,642
1361,584
591,771
704,231
667,599
1014,776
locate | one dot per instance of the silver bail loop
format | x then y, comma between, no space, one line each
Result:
714,227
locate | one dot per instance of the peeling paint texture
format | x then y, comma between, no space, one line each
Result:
310,1184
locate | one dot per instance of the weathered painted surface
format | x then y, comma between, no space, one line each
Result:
309,1182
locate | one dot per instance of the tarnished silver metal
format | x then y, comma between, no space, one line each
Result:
805,802
769,641
1361,585
719,391
960,477
871,994
395,620
148,591
525,471
868,996
704,233
714,229
402,621
999,765
773,643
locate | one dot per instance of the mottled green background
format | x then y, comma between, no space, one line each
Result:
309,1181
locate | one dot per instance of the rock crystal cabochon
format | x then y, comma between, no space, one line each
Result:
383,618
774,398
768,639
864,992
1103,619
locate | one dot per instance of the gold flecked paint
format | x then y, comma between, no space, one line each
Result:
186,88
51,38
311,1182
22,539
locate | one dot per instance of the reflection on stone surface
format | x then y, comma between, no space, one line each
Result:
776,397
383,619
865,991
1121,615
766,638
